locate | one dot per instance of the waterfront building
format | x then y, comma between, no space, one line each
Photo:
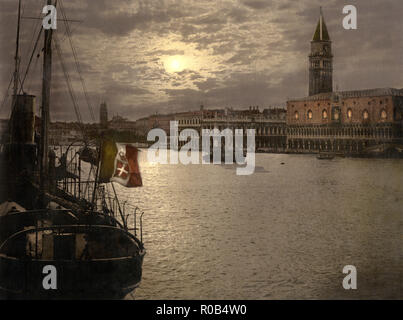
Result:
270,126
119,124
142,126
190,120
348,122
195,120
64,133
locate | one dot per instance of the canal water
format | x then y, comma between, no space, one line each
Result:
285,232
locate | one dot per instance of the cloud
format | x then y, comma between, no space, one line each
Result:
238,52
257,4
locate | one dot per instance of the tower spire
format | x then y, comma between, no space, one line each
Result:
321,23
321,33
321,60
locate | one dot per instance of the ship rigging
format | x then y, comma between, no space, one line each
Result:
49,213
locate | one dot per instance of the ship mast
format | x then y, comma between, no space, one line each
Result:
47,77
15,74
17,62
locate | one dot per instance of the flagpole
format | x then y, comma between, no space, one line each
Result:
97,172
120,209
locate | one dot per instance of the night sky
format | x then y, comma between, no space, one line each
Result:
148,56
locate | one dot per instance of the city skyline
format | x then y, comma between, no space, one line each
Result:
144,57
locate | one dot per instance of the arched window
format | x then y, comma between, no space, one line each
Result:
349,114
324,114
384,114
296,115
310,114
365,115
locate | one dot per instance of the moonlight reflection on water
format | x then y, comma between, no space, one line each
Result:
287,231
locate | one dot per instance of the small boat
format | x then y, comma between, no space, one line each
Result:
325,156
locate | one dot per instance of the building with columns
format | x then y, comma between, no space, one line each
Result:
357,122
269,124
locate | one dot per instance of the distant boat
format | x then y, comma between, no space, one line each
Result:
325,156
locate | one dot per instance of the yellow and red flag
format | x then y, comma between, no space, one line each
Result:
119,163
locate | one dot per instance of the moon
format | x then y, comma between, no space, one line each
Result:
175,64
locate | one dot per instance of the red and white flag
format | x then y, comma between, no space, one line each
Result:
119,163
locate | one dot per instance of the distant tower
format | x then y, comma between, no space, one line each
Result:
321,60
103,115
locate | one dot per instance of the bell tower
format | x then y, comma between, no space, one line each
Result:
321,60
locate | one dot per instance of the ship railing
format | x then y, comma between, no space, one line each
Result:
56,229
127,213
77,189
73,170
102,200
137,215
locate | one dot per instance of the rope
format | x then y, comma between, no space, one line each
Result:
19,79
78,67
6,93
35,23
30,60
29,84
68,82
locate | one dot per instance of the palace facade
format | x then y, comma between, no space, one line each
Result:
269,124
348,122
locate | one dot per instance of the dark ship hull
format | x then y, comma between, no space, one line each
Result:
95,280
94,256
75,287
